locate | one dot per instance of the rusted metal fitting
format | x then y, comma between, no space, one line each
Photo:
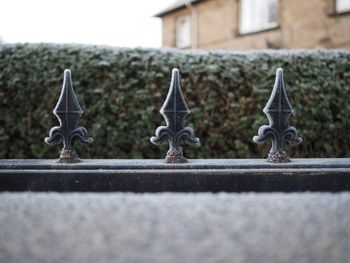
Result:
68,112
278,110
174,111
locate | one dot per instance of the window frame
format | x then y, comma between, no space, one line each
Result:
336,12
186,45
275,26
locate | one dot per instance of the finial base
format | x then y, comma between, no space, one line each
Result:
279,156
69,156
175,156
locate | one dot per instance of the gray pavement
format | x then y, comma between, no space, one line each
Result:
117,227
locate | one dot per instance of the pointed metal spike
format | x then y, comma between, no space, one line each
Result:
67,102
278,110
68,112
174,111
175,101
278,101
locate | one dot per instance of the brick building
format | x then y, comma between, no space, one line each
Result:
256,24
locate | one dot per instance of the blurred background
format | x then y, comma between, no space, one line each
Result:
102,22
184,24
256,24
121,84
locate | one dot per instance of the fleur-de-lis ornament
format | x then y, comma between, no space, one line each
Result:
68,112
278,110
174,111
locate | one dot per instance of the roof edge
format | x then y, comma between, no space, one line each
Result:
174,8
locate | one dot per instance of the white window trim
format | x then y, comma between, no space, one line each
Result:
242,31
338,9
187,43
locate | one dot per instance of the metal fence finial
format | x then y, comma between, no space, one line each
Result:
174,111
278,110
68,112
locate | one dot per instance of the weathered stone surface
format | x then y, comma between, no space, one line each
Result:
191,228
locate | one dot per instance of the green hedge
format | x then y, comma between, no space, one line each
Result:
121,91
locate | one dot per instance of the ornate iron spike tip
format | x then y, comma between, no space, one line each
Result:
68,112
278,110
174,111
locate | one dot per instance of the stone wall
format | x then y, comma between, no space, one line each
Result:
302,24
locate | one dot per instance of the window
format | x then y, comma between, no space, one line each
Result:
183,32
342,6
257,15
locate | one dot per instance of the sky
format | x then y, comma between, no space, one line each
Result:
122,23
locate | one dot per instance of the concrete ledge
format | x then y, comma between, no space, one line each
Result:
212,175
174,227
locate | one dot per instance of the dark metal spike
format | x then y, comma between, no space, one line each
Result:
68,112
174,111
67,102
278,101
278,110
175,100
